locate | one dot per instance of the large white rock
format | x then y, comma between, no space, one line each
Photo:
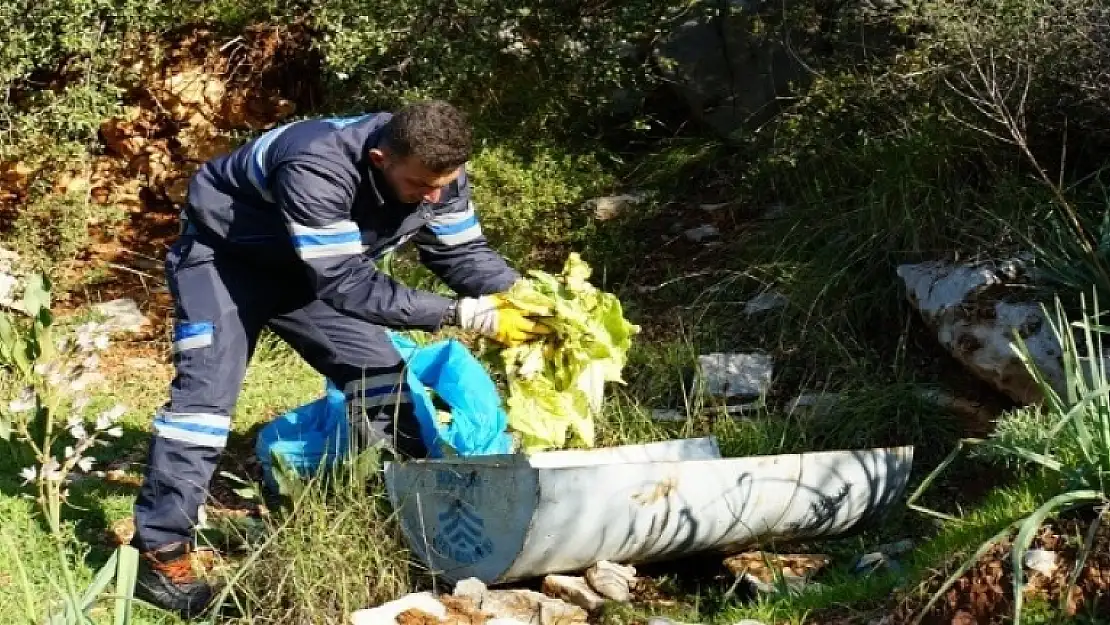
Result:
975,311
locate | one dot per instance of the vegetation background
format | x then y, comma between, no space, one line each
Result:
940,130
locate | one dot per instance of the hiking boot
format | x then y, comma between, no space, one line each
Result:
167,580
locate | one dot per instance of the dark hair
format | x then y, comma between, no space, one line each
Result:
433,132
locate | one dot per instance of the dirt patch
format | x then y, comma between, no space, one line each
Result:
188,98
984,595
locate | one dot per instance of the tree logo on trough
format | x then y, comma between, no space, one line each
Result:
462,535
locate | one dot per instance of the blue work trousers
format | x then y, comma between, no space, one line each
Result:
223,299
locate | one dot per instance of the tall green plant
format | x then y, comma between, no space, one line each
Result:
47,377
1078,416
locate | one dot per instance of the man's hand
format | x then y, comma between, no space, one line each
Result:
497,318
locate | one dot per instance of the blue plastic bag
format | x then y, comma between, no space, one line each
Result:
316,433
478,420
305,438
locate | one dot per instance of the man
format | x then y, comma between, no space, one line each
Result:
282,234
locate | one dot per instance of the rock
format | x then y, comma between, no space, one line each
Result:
764,302
612,581
729,76
667,414
749,621
388,613
470,587
12,278
813,404
736,375
975,312
702,233
712,208
745,409
574,590
521,605
765,567
1040,560
871,562
613,206
122,315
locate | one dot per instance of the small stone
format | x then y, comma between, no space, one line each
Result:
871,562
744,410
667,414
712,208
573,589
122,315
471,587
764,302
387,613
702,233
612,206
1040,560
736,375
814,404
612,581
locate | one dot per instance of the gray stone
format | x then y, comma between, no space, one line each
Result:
813,404
766,301
745,409
667,414
870,562
702,233
736,375
712,208
613,206
975,311
122,315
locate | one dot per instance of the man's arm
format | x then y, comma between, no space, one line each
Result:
453,247
316,206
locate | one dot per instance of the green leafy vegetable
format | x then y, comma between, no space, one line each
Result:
556,384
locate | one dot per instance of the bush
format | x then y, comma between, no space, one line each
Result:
524,66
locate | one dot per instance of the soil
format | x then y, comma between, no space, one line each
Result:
985,594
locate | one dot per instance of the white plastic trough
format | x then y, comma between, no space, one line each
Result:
504,518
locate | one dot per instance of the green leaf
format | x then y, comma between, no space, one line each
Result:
5,427
36,295
126,574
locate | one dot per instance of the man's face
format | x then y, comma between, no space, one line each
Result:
409,179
